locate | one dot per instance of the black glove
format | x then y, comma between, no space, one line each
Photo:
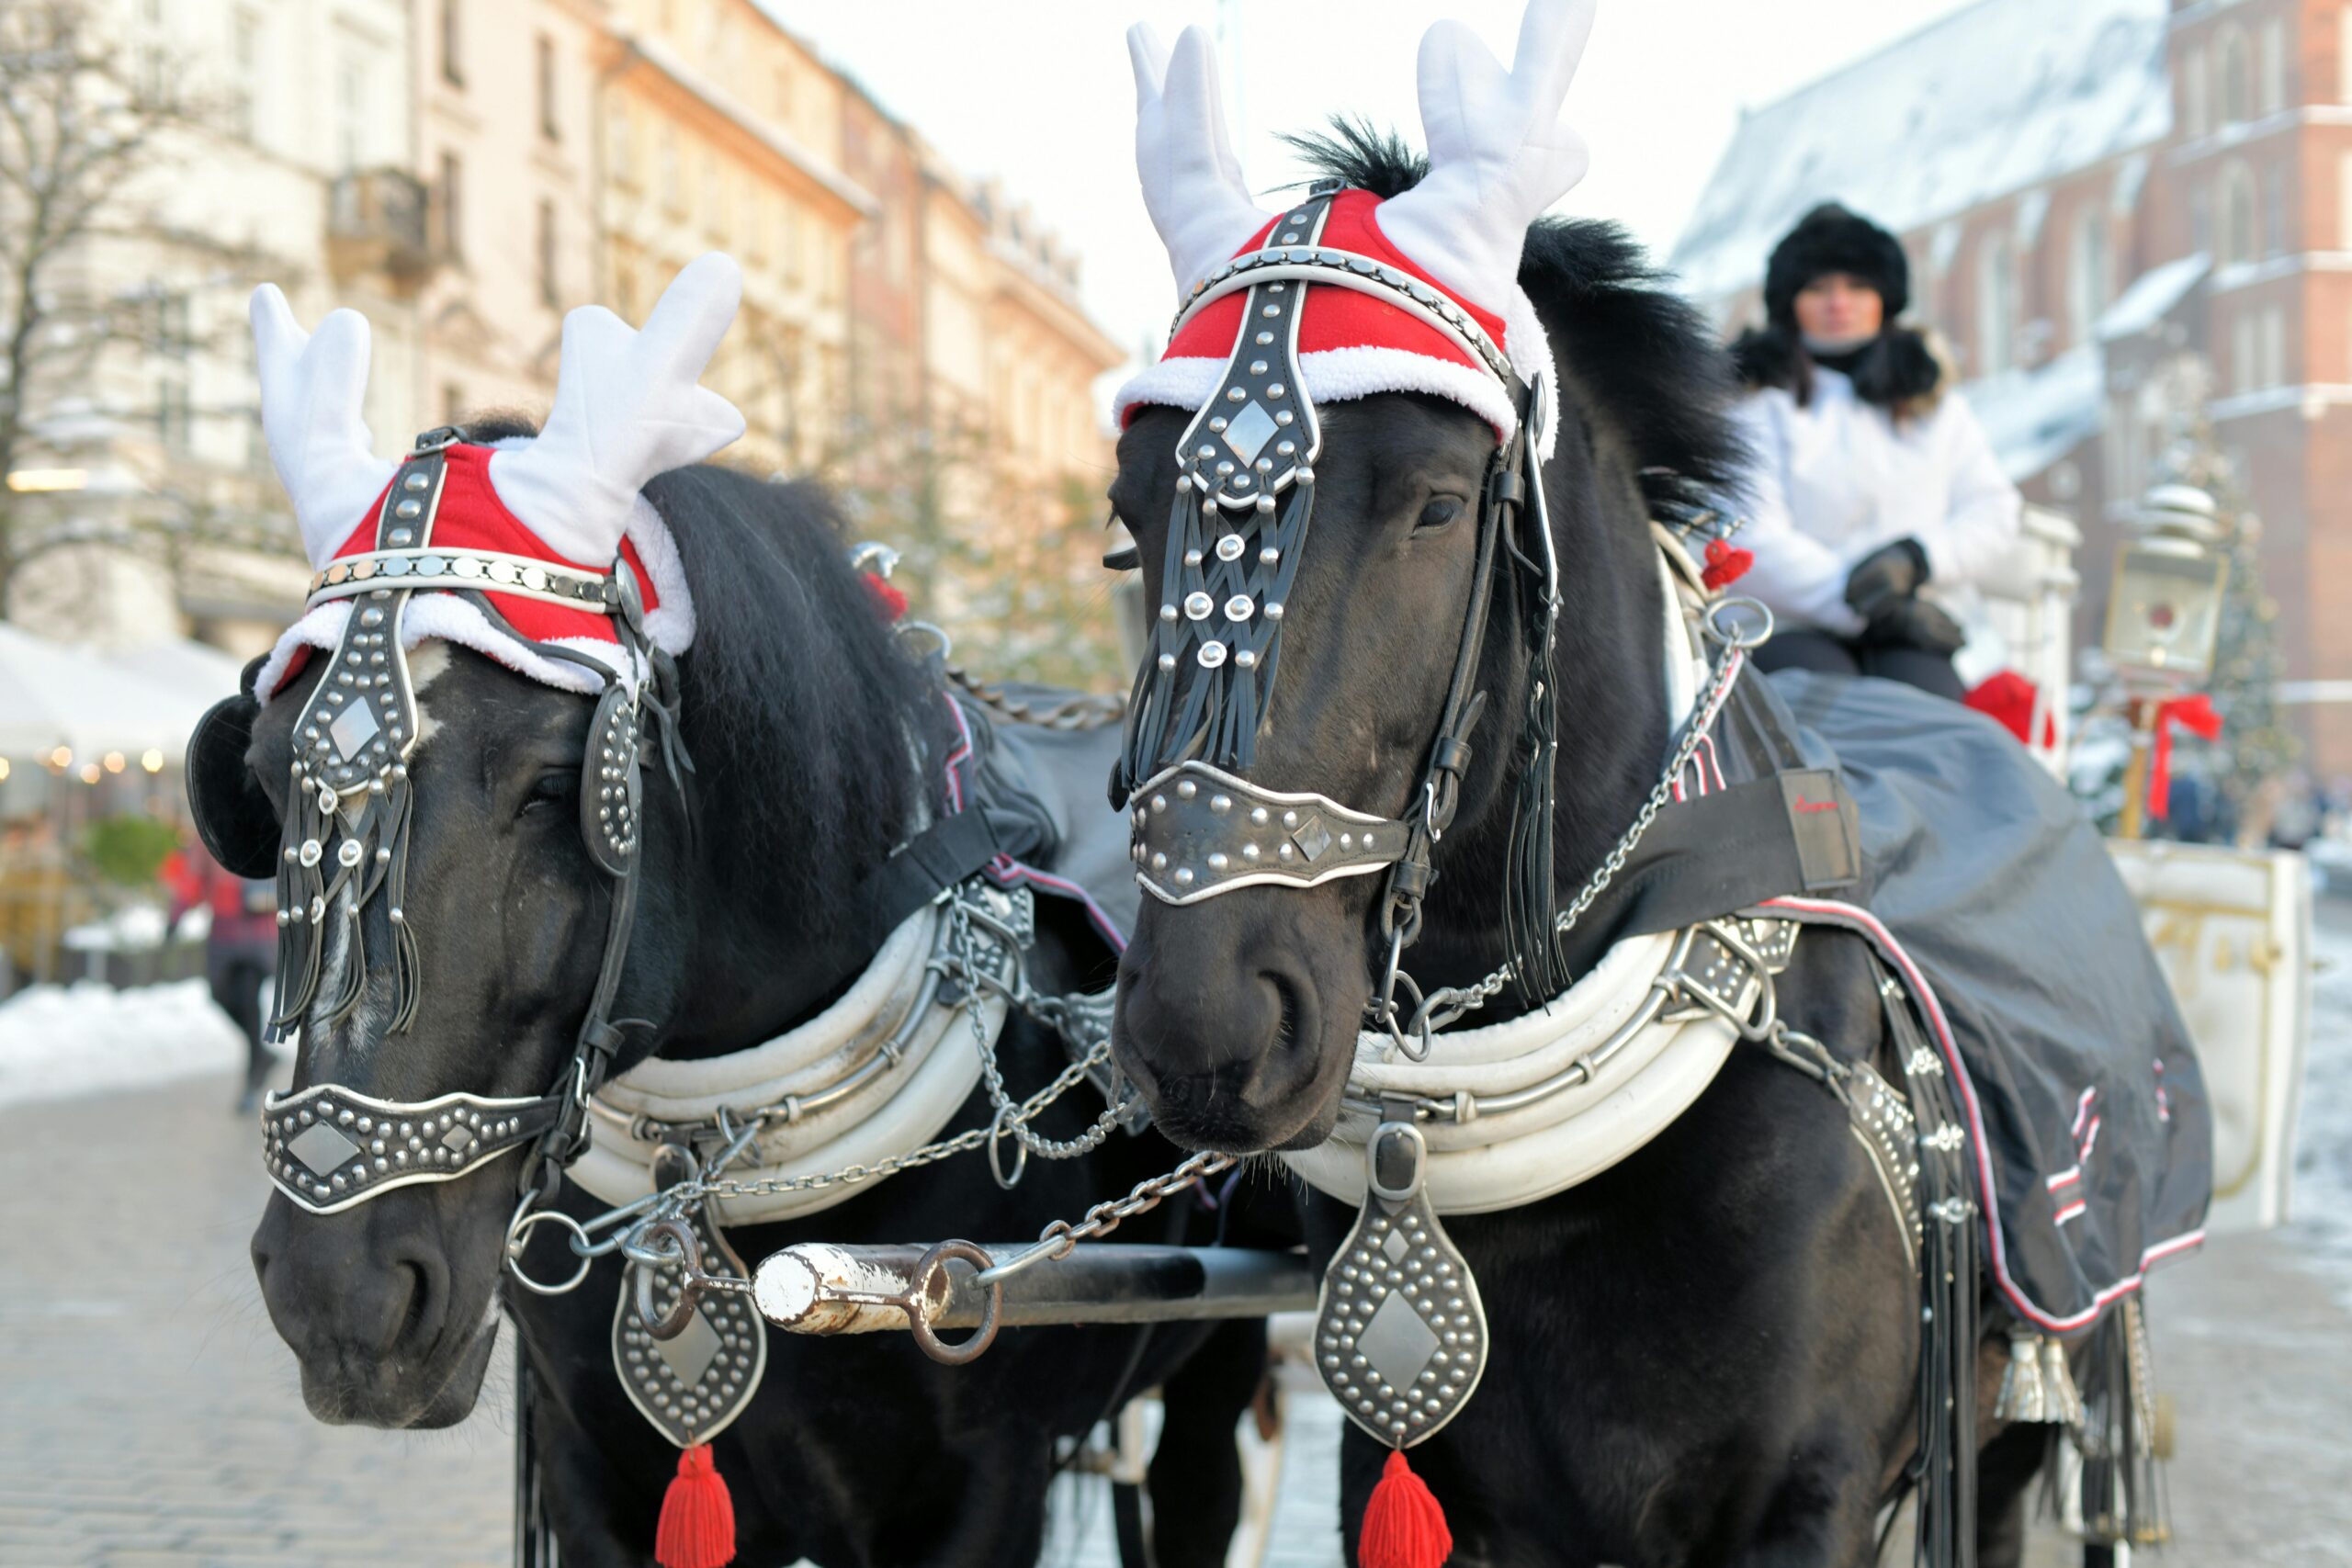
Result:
1915,623
1885,577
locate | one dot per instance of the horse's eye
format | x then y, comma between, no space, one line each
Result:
1440,512
552,788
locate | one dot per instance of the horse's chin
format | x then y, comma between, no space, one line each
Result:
345,1389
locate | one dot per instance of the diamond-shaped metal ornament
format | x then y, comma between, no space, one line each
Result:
1400,1336
322,1148
1311,837
693,1386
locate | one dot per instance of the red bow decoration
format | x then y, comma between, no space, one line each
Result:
2195,714
1726,565
890,600
2008,698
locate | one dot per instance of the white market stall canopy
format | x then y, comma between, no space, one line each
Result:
92,703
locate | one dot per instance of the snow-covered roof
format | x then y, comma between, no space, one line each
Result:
2152,296
1998,97
2035,417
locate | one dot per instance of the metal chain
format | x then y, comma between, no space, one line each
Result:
1447,1005
967,962
1057,1240
1052,1012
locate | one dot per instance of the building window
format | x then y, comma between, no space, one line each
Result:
2237,77
2193,103
2243,353
674,186
2344,200
2241,233
452,69
451,200
2273,95
2344,54
2086,278
351,107
549,127
714,197
2273,345
2274,211
550,295
1995,303
174,414
620,143
244,59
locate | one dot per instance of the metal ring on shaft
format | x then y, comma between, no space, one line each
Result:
936,1260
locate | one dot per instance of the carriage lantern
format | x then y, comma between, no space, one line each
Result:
2164,618
2164,612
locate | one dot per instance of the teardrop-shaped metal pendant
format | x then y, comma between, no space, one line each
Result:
694,1385
1400,1336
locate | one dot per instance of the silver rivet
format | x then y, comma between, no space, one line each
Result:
408,508
1229,547
1212,654
1235,394
1197,605
1184,878
1217,861
1258,815
1187,789
1274,610
1220,804
1168,611
1240,607
415,481
1257,367
1265,337
1218,424
1283,416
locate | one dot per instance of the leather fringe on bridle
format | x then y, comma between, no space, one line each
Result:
1183,706
310,892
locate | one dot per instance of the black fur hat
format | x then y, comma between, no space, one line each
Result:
1831,239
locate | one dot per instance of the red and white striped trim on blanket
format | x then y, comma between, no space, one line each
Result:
1828,911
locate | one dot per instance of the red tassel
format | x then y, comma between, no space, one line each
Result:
1726,565
697,1528
888,599
1404,1527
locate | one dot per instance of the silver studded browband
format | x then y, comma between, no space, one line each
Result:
1198,831
355,575
328,1148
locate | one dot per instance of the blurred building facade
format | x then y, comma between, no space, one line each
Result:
2120,214
464,172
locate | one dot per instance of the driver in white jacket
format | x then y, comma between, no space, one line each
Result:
1872,480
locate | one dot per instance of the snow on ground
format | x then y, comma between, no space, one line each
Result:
58,1041
2323,1197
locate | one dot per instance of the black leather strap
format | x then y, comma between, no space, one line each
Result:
1793,832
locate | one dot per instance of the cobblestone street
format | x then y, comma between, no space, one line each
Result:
149,1414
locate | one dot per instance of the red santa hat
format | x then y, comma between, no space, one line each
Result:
626,408
1498,157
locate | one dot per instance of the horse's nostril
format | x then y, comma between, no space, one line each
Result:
1288,1009
416,1293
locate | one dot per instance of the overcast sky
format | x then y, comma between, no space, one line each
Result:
1039,94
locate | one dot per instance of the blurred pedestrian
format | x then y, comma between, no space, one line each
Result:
1874,488
240,950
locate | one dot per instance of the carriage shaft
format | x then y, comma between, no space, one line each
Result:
818,1287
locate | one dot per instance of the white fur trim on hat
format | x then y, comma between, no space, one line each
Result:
448,616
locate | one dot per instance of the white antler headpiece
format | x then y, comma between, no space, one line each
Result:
1498,152
312,388
628,407
1192,182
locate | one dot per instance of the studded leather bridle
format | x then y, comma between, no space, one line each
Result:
1245,495
344,840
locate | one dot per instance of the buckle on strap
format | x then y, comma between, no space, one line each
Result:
1199,831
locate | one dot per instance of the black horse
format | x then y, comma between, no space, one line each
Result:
816,739
1706,1353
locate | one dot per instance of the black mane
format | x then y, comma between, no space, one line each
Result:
797,697
1647,358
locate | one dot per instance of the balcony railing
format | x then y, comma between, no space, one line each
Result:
379,220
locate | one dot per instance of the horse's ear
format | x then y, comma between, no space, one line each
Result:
1498,152
1191,181
313,386
628,407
